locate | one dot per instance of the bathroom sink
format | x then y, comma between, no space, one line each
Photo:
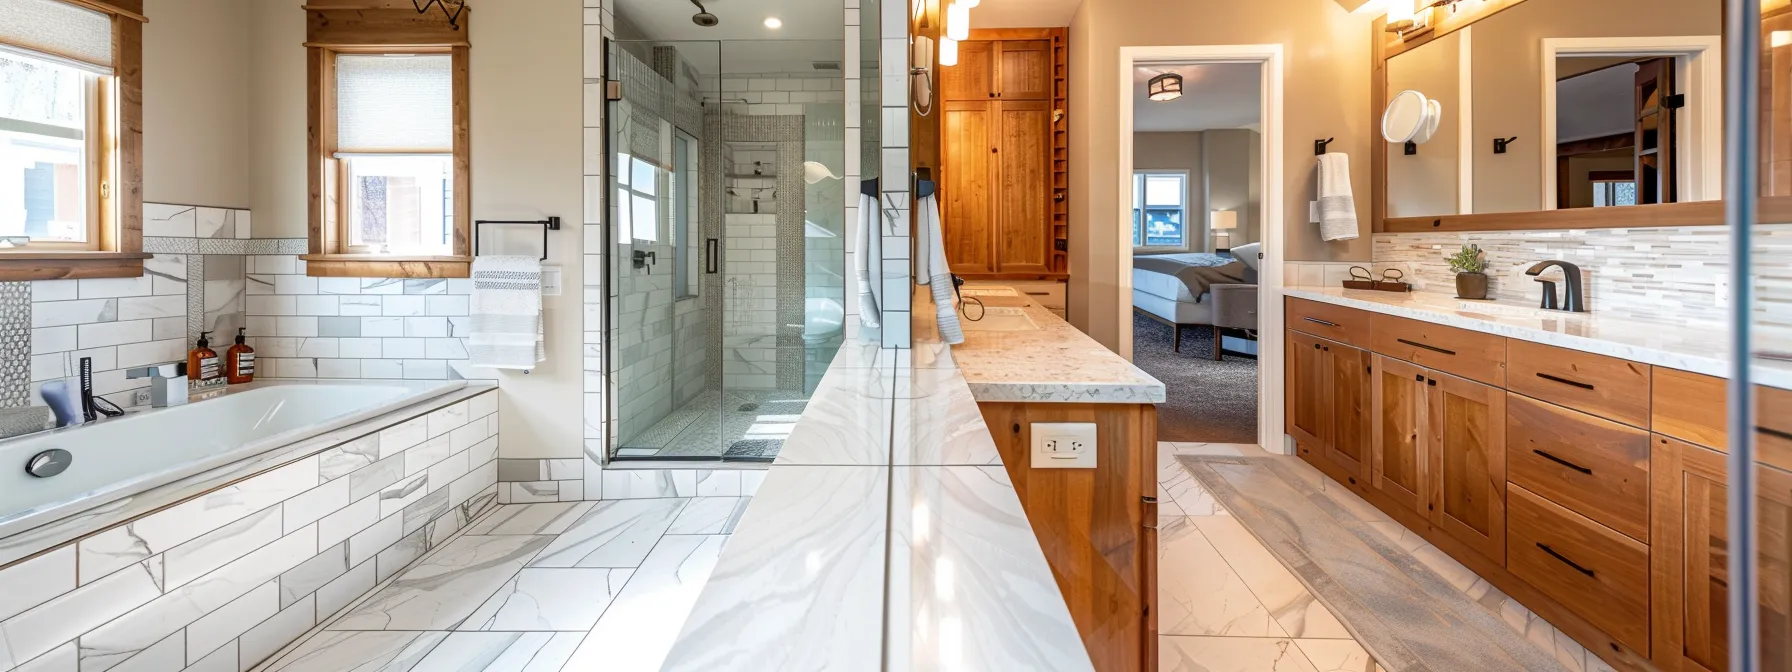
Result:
1000,318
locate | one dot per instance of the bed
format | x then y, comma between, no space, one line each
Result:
1201,289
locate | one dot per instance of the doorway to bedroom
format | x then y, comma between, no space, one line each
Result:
1197,225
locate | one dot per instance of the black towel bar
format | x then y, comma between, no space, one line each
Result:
549,224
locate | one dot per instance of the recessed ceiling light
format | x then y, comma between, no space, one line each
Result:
773,22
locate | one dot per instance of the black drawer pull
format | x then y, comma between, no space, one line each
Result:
1316,320
1552,553
1563,462
1774,432
1432,348
1565,381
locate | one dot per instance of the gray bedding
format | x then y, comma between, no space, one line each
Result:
1197,270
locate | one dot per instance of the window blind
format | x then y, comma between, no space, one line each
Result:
399,104
75,35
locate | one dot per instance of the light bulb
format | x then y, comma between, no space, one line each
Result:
948,51
1400,15
773,22
958,21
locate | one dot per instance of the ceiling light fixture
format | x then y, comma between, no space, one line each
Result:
948,51
1165,87
773,22
450,8
958,21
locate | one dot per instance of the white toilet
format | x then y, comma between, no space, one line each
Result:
823,319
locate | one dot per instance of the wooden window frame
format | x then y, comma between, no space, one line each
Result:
114,248
337,27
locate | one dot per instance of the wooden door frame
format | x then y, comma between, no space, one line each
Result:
1698,72
1270,337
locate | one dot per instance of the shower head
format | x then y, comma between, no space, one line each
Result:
703,17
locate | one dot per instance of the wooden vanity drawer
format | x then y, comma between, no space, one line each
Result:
1589,568
1470,354
1693,407
1592,466
1338,323
1608,387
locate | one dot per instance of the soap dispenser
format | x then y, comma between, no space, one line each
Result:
239,360
202,363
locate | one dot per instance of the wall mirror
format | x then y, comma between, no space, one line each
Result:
1556,111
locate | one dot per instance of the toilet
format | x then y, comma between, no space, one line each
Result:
823,318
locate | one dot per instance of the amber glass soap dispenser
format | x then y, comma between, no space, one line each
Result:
202,362
239,360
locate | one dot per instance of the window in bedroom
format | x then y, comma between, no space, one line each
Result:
1160,209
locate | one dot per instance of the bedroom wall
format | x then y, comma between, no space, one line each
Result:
1179,151
1230,164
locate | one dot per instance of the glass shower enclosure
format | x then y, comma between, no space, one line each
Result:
727,241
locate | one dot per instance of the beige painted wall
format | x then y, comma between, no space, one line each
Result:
1231,166
527,138
1428,183
1178,151
1326,94
1508,73
195,113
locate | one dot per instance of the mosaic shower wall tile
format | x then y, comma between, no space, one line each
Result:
15,344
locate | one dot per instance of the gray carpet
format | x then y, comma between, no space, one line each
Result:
1206,401
1409,618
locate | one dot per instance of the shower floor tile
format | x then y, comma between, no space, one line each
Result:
734,425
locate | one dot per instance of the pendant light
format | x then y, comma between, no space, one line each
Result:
1165,87
958,21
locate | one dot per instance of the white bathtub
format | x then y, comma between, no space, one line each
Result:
120,457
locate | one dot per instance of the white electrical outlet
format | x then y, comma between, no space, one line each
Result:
1063,445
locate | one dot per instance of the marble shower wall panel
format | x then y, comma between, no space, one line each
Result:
228,577
644,340
1671,274
762,313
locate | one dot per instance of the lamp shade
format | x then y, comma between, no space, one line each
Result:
958,21
1165,87
1223,219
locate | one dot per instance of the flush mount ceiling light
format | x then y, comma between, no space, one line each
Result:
773,22
450,9
1165,87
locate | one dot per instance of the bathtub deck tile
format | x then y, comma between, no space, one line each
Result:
372,479
219,547
349,457
351,520
232,620
45,627
305,579
35,581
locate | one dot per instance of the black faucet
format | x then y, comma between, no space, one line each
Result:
1576,300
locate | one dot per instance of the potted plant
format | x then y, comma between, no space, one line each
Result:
1469,263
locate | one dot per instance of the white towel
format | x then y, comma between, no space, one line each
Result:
506,313
868,264
1337,207
931,269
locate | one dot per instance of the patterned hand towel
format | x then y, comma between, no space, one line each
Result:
506,313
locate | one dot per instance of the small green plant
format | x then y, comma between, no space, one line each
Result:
1469,259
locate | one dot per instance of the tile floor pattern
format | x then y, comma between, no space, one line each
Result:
713,421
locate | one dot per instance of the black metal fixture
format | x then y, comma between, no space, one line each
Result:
450,8
1319,146
549,224
1575,302
1165,87
1410,148
703,17
1499,144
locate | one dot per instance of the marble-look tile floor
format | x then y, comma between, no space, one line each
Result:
715,420
587,586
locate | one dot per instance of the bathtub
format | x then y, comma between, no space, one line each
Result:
120,457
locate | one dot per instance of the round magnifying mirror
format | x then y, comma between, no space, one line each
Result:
1434,114
1406,117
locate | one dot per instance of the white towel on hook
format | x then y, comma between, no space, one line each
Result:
931,269
868,264
506,313
1337,206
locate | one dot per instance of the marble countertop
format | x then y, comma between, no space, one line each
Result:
886,536
1687,347
1004,360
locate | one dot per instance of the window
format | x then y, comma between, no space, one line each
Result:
391,161
62,198
1160,209
1613,193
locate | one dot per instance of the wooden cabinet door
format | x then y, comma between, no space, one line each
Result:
973,79
1023,164
1690,556
1348,402
1397,455
1308,410
1466,433
967,211
1024,70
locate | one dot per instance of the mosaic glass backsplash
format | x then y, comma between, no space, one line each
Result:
1676,274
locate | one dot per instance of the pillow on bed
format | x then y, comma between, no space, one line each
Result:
1248,254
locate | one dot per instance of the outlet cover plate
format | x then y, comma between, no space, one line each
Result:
1063,445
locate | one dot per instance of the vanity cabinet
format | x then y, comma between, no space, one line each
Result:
1331,412
1398,460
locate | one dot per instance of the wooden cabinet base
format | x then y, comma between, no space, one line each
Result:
1097,527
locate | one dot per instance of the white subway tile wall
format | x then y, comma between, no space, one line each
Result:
228,577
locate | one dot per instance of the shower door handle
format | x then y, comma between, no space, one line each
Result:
709,256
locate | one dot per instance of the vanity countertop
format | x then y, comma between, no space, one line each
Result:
1050,362
1687,347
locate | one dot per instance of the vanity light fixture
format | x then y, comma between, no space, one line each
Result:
958,21
948,51
773,22
1400,16
1165,87
450,8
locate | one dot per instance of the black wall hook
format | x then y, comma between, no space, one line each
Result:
1319,146
1412,148
1499,144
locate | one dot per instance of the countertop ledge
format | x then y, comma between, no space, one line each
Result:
1051,363
1688,347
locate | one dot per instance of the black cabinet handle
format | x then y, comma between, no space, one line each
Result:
1316,320
1431,381
1565,381
1552,553
1427,347
1563,462
1774,432
1419,377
